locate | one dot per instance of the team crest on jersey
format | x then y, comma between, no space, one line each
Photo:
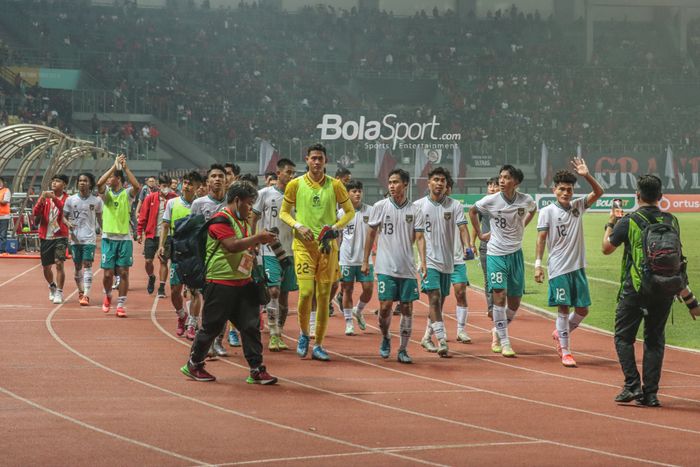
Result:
365,219
448,216
521,212
575,212
92,207
409,218
316,200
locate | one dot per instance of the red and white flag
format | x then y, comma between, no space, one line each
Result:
426,159
384,163
268,157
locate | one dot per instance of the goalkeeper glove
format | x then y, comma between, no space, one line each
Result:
325,237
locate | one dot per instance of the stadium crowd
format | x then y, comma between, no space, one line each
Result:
511,78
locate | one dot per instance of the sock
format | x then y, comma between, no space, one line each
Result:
108,292
306,294
121,301
347,313
562,324
501,322
181,313
192,321
87,280
52,285
385,324
511,314
161,285
282,317
59,291
312,319
361,306
428,330
439,330
78,276
405,330
574,320
461,318
272,308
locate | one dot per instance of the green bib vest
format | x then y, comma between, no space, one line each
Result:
316,207
179,211
223,265
116,212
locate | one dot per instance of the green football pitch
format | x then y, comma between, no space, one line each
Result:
603,276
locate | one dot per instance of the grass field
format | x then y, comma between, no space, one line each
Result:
681,330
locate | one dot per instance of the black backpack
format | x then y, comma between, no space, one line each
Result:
664,266
189,246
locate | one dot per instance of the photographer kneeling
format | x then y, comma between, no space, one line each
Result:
230,292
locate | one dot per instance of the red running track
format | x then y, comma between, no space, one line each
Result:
83,388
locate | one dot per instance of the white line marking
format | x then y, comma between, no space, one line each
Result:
425,415
380,393
387,449
20,275
65,345
100,430
593,278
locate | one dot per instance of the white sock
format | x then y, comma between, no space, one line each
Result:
511,314
405,330
428,330
461,318
574,320
192,321
121,301
347,313
78,276
87,280
312,319
181,313
272,308
439,330
361,306
500,321
563,330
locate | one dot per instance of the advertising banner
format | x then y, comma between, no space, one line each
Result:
680,203
54,78
604,204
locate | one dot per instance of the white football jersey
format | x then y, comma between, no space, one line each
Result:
207,206
352,246
507,220
267,207
82,214
397,228
567,249
441,220
459,248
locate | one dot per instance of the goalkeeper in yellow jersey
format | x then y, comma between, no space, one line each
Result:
314,197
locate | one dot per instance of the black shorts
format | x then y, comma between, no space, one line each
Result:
53,250
150,248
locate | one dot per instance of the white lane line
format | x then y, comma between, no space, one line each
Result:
380,393
100,430
387,449
62,320
429,416
65,345
593,278
20,275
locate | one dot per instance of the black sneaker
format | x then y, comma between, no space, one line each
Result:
161,291
628,395
260,376
649,400
151,284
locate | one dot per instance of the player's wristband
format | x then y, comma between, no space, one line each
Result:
538,263
298,225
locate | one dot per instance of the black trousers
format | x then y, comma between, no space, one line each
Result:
226,303
631,310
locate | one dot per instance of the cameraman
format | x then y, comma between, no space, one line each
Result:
633,305
228,294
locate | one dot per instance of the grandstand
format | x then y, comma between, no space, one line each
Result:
216,80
